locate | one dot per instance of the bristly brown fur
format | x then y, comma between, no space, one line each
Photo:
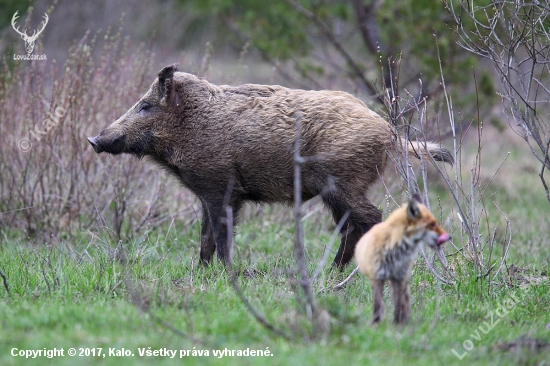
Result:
167,86
210,135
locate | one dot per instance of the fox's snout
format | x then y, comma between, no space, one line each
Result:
443,238
435,239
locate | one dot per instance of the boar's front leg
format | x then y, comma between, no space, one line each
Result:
214,228
208,244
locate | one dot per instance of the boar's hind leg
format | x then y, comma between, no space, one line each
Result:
214,229
362,216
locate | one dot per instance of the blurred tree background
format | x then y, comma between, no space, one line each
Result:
358,45
370,43
9,7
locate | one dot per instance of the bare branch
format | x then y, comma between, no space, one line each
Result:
348,278
329,35
5,282
235,282
509,231
335,234
366,17
299,253
144,307
441,257
235,29
514,38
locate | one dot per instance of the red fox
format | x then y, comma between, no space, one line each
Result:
387,252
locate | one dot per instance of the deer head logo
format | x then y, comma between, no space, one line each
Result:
29,40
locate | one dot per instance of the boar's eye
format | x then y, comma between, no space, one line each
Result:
144,107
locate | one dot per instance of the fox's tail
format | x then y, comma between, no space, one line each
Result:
427,149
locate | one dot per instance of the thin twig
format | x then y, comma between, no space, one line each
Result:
19,209
541,174
432,268
299,251
237,287
512,37
141,305
335,234
173,329
265,55
348,278
329,35
5,282
509,231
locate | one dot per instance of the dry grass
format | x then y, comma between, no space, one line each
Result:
51,182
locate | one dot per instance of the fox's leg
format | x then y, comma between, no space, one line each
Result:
401,290
378,305
362,216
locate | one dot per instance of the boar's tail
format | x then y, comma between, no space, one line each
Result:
427,149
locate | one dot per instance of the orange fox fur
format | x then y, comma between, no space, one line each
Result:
387,252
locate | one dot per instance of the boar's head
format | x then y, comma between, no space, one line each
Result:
137,131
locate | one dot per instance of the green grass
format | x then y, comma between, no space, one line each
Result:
84,297
89,292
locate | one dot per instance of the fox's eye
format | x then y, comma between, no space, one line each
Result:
431,225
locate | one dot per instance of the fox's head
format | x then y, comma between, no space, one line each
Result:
423,226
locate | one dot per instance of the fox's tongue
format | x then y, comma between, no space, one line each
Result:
442,238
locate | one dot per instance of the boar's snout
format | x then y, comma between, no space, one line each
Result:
113,145
95,145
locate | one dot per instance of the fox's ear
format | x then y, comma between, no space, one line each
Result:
413,211
416,197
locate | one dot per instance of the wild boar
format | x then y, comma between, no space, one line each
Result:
232,144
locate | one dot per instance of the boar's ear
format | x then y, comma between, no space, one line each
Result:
413,211
167,86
